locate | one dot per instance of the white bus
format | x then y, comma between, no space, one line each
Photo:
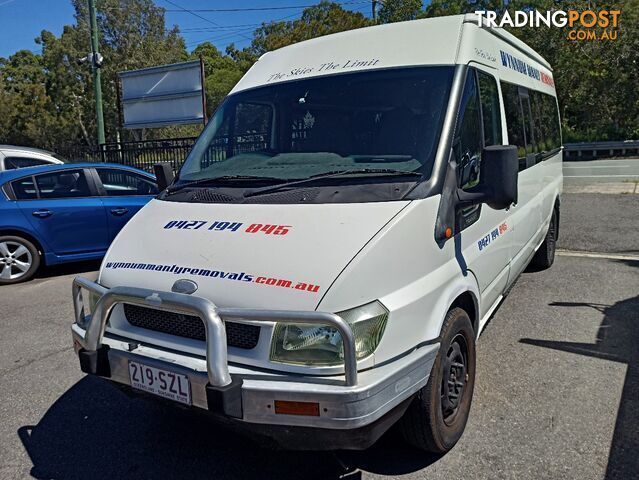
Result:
337,239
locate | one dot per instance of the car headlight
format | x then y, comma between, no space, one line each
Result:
89,300
305,344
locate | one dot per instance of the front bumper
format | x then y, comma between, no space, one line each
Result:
247,394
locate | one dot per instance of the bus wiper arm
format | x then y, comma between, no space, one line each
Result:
208,181
337,173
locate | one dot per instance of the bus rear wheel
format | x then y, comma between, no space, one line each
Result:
545,256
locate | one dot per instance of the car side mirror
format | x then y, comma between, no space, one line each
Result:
163,175
498,175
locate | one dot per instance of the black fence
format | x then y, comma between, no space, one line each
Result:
142,155
145,154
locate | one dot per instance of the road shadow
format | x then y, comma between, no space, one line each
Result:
67,269
618,341
96,431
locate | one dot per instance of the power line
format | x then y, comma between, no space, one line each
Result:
221,27
194,14
253,9
231,34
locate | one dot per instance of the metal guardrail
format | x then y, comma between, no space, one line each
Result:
593,150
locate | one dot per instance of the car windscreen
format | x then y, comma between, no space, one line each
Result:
374,121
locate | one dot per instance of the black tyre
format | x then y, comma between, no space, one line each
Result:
436,418
545,256
19,259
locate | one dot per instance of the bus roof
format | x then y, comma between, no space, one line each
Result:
432,41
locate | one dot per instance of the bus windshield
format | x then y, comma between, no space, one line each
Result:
350,125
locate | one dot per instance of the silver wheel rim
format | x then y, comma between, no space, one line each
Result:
15,260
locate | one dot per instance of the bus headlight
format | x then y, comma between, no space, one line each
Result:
89,301
304,344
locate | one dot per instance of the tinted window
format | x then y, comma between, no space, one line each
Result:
528,124
118,182
69,183
468,141
12,163
546,121
514,117
532,122
388,119
24,189
490,110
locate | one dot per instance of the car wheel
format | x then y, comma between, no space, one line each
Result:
545,256
19,259
436,418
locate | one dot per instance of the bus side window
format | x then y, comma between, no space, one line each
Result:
530,136
467,147
490,111
514,120
468,135
546,120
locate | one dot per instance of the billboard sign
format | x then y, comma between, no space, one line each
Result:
162,96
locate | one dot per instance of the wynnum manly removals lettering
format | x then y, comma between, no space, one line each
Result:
205,272
510,61
507,60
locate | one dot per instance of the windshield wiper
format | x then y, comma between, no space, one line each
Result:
209,181
338,173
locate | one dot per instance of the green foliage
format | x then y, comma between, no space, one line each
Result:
52,95
322,19
400,10
597,81
46,99
438,8
221,73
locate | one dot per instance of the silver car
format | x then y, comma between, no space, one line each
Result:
12,157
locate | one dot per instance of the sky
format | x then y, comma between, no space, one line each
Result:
21,21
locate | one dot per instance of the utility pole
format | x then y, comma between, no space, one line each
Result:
96,63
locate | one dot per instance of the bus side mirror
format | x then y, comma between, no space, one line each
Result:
163,175
499,172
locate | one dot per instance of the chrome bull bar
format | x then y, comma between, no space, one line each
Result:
211,316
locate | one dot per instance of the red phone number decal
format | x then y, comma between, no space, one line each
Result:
221,226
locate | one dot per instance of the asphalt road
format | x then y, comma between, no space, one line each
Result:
556,395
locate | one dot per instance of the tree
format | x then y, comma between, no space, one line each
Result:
438,8
597,81
47,100
322,19
400,10
53,95
222,72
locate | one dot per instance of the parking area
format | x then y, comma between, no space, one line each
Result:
557,390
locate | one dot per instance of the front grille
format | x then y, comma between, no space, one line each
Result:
238,335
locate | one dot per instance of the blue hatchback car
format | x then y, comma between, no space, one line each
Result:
64,213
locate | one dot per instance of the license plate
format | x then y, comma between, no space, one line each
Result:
157,381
